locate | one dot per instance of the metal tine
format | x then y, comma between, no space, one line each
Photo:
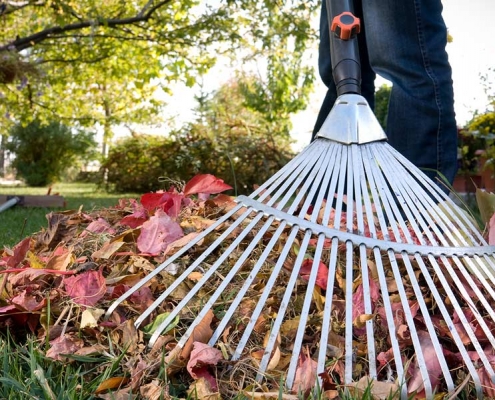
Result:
177,255
339,198
360,195
214,267
331,190
291,371
196,287
446,314
427,319
286,171
266,292
387,199
410,201
482,298
467,297
283,307
295,179
249,280
327,309
296,175
349,274
377,201
415,197
321,183
265,254
410,322
439,195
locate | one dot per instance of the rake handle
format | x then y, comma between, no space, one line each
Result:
344,27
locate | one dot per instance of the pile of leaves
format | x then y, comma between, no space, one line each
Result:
57,285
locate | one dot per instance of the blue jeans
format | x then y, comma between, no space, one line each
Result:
404,41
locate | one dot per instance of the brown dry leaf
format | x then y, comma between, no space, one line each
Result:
107,250
360,321
201,390
60,259
331,394
153,391
289,328
379,390
269,395
122,394
195,276
111,383
90,317
202,333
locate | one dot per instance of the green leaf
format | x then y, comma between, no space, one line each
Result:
153,326
486,204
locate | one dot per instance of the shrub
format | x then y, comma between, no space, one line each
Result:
137,164
43,152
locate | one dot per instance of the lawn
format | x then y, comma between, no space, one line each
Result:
18,222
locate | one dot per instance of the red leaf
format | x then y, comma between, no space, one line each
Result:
491,231
305,377
65,344
157,233
137,218
432,365
28,302
86,288
321,276
20,251
202,357
167,201
205,184
98,226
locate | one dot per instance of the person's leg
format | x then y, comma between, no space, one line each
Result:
325,66
406,43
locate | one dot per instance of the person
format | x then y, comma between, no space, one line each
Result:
404,41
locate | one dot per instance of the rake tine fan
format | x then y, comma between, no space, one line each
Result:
350,257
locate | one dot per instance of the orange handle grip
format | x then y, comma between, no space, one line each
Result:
346,25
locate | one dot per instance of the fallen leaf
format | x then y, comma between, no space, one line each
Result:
321,276
376,389
157,233
90,317
111,384
415,383
306,374
168,202
20,251
201,390
107,250
205,184
202,357
201,333
269,395
486,204
491,231
27,301
153,326
152,391
60,259
65,344
86,288
98,226
138,217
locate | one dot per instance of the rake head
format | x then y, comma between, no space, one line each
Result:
350,260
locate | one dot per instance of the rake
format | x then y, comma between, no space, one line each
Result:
377,271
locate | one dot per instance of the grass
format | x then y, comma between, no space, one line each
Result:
19,222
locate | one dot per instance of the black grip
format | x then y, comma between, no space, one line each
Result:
346,65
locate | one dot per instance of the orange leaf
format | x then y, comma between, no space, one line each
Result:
111,383
202,333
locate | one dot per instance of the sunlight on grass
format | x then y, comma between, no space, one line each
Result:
18,222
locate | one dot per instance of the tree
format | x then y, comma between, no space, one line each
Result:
43,152
106,63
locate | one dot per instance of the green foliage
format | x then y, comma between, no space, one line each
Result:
227,139
382,97
44,152
484,126
141,163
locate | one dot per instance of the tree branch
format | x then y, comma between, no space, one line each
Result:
29,41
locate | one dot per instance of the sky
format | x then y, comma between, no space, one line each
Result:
471,23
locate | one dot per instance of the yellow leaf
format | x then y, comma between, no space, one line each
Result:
360,321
